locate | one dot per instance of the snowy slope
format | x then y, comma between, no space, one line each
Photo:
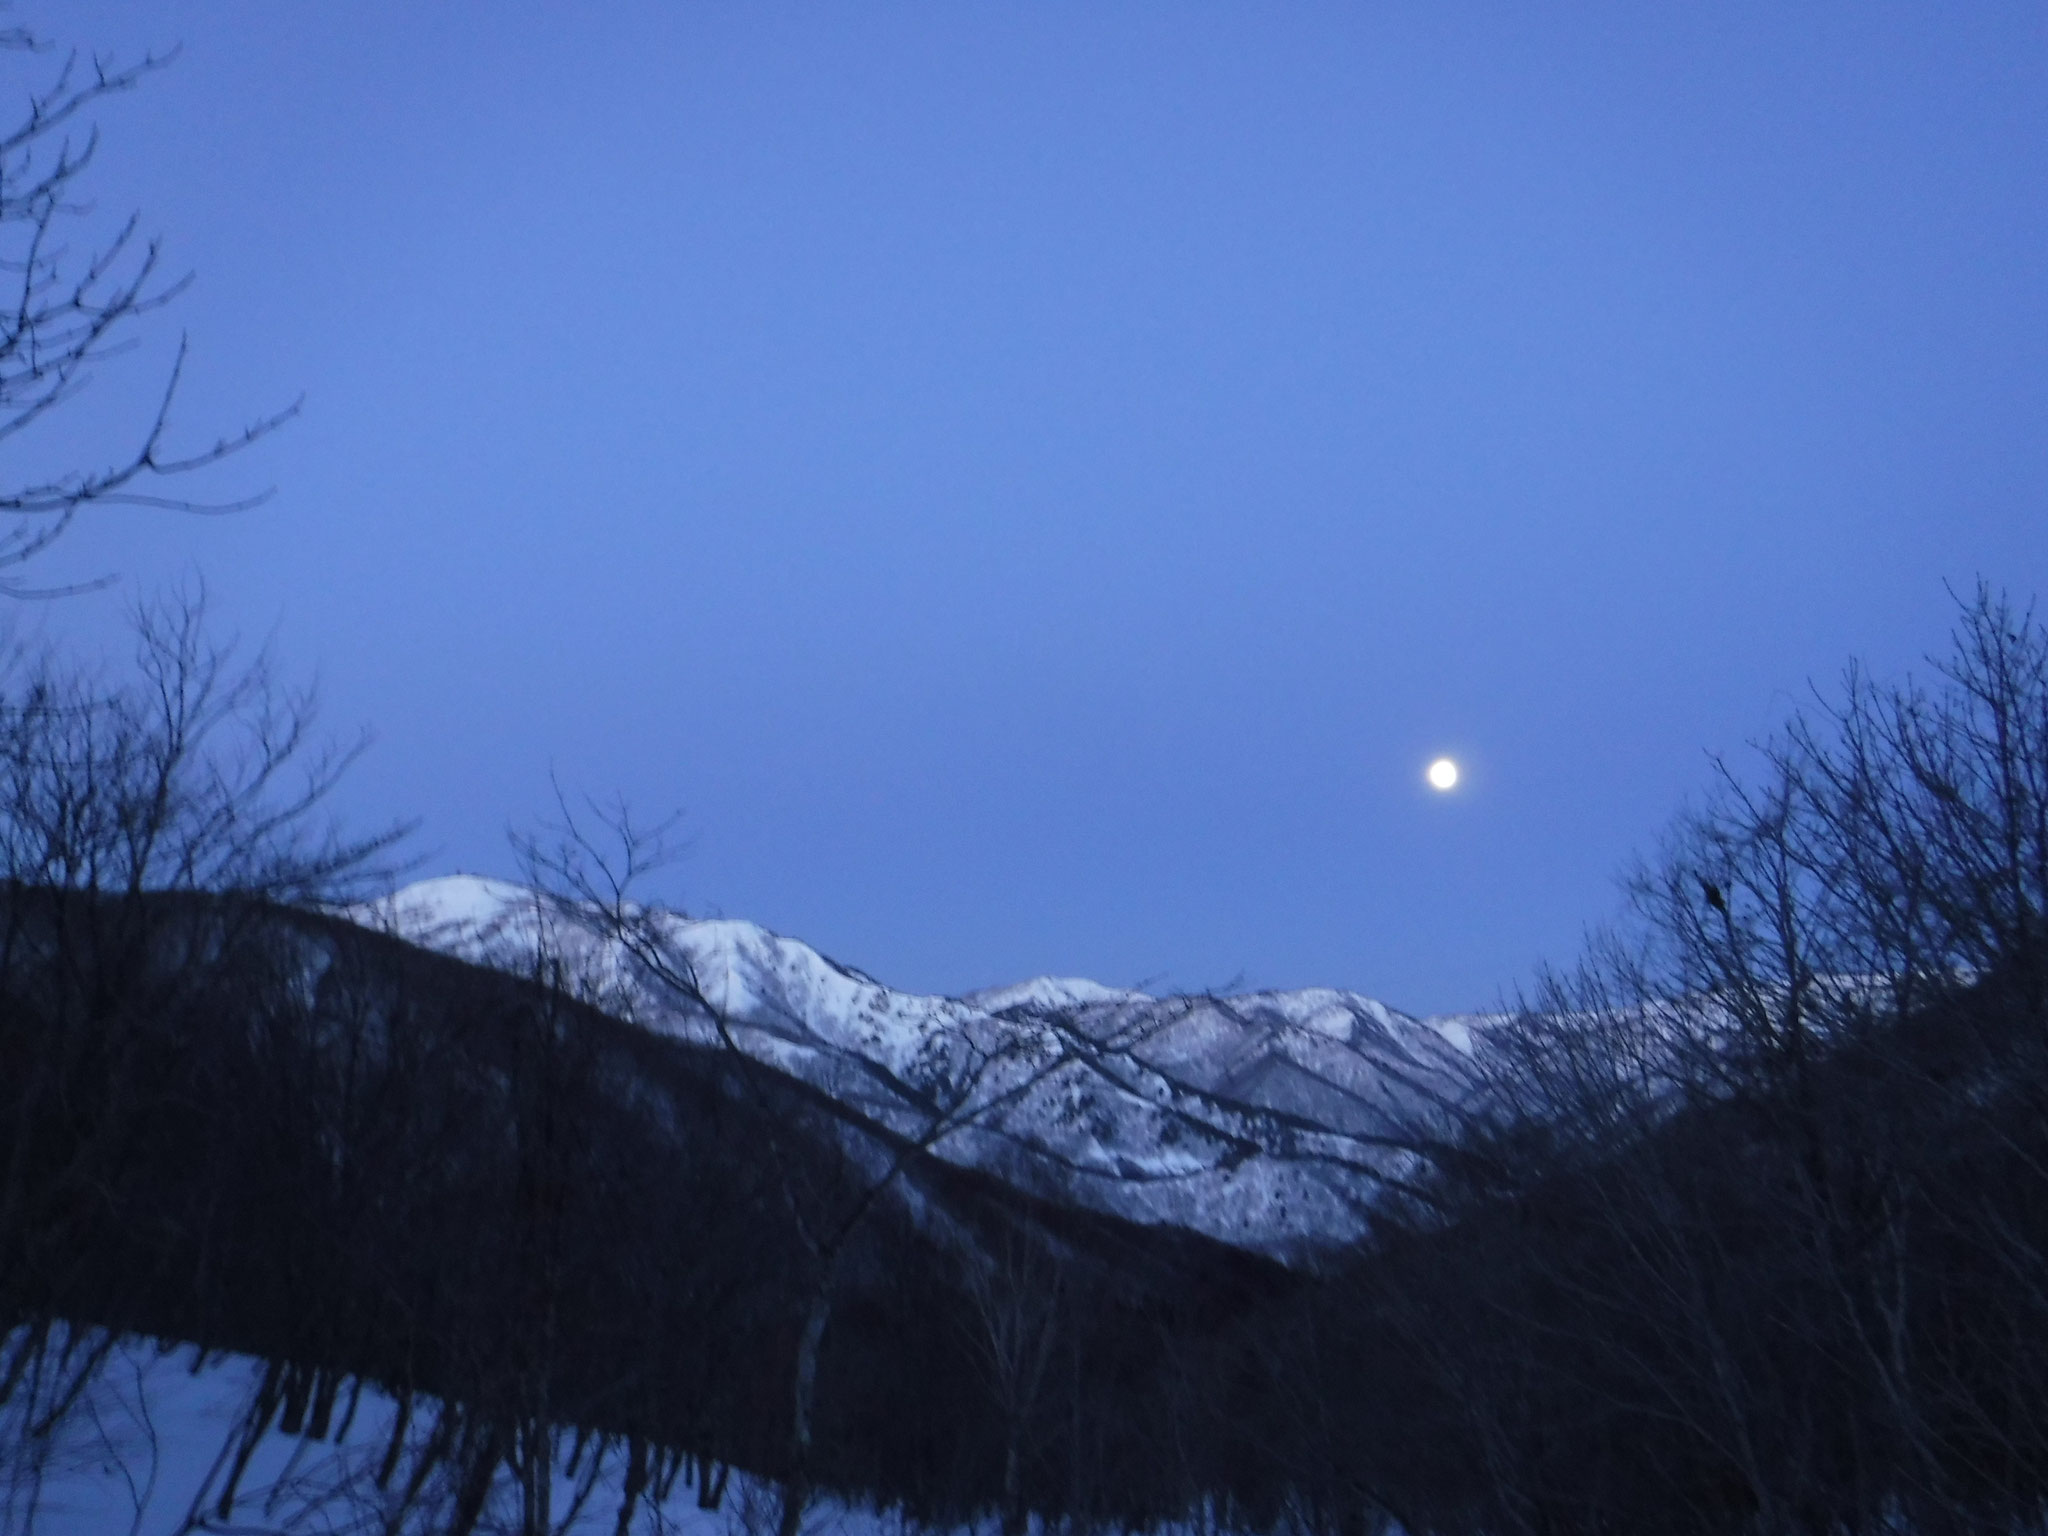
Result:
1270,1119
149,1449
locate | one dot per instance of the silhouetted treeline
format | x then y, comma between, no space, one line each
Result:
362,1160
1748,1230
1814,1304
1745,1228
1814,1307
225,1118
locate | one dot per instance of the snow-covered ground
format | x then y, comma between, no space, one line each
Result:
149,1447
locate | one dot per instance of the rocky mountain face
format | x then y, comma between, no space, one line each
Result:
1270,1120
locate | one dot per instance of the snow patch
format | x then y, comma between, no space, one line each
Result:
1051,992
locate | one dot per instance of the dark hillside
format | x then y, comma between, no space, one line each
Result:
1820,1303
280,1134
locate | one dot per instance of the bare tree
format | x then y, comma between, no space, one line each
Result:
1759,1186
147,825
73,295
593,872
1016,1293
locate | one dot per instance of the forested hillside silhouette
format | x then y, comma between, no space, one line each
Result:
1747,1230
372,1165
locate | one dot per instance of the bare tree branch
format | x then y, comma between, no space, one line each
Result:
65,311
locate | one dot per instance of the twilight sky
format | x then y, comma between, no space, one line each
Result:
1037,483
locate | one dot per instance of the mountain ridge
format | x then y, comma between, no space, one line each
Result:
1272,1120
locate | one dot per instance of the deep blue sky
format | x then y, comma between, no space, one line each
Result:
1037,482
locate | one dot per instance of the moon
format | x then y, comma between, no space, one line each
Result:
1443,774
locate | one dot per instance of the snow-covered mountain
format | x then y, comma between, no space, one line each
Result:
1273,1120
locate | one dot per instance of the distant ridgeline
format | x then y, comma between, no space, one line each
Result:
1802,1289
1275,1121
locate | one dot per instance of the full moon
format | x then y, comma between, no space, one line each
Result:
1443,773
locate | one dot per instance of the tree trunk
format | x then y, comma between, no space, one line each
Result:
796,1492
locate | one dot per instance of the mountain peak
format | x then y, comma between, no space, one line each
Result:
1051,994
